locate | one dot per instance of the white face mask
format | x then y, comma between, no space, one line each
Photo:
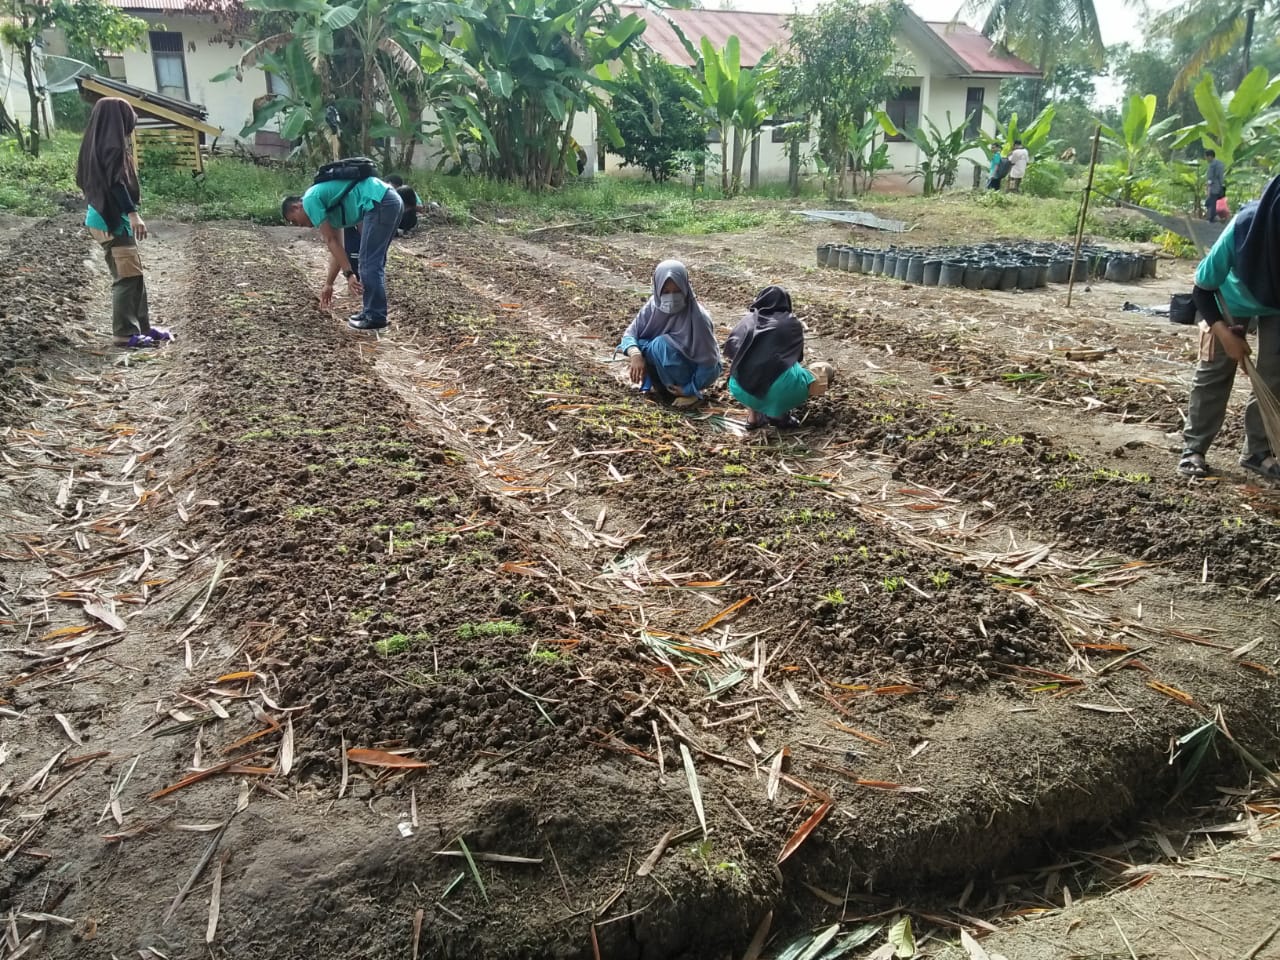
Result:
670,303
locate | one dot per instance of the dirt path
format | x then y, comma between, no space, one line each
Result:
632,659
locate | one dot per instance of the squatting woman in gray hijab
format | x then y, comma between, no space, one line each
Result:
671,343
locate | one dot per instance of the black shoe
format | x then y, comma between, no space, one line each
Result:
366,323
355,318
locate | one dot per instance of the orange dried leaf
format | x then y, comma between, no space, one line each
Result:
520,570
380,758
802,834
857,733
727,611
239,675
1104,647
1260,667
65,632
897,688
1173,692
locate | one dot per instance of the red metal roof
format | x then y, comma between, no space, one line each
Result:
756,32
978,53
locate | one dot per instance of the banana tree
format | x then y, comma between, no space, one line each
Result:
755,105
1136,138
870,158
715,81
1034,136
539,63
940,153
1239,125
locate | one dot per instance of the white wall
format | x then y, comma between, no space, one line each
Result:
229,102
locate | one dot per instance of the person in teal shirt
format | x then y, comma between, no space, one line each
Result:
333,206
106,172
764,353
1237,288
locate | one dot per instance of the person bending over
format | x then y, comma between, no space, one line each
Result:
1241,273
764,353
671,343
334,206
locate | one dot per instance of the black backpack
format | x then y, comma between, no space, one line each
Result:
1003,168
353,169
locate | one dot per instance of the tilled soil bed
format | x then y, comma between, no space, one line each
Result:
472,653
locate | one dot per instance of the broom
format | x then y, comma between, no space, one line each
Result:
1268,403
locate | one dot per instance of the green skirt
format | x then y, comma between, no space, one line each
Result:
788,392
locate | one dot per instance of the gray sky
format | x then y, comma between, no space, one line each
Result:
1120,21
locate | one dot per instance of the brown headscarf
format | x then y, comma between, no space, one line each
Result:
105,162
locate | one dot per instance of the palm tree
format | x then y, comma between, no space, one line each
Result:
1229,22
1042,32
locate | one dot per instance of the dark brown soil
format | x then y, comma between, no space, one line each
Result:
470,543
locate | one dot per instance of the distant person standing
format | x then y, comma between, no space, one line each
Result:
1018,161
108,176
1216,188
999,170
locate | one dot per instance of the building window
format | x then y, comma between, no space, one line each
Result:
973,110
277,86
904,111
782,128
171,68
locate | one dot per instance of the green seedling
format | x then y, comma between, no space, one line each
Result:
734,470
835,598
494,628
893,584
301,512
940,578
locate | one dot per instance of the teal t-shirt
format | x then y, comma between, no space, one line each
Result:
1215,273
93,220
364,196
789,391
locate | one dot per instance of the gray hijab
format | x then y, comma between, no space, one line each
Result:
690,331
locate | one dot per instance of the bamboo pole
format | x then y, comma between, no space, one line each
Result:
1084,212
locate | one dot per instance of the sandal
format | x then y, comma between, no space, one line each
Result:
162,335
1268,466
789,422
1193,465
137,340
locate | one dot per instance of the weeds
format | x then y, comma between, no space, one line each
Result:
893,584
835,598
493,628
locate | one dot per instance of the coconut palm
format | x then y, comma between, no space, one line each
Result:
1042,32
1220,27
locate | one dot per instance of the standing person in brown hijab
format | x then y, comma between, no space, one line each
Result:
107,174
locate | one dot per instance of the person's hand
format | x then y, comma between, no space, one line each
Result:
355,286
636,370
326,296
138,226
1233,345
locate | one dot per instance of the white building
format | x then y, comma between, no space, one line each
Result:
954,69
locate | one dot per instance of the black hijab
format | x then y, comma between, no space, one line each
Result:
1257,237
766,343
105,163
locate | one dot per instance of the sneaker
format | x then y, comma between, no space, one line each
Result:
366,323
355,318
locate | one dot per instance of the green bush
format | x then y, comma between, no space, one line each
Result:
1045,178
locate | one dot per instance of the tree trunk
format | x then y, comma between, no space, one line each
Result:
739,154
724,160
1247,42
33,97
793,166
